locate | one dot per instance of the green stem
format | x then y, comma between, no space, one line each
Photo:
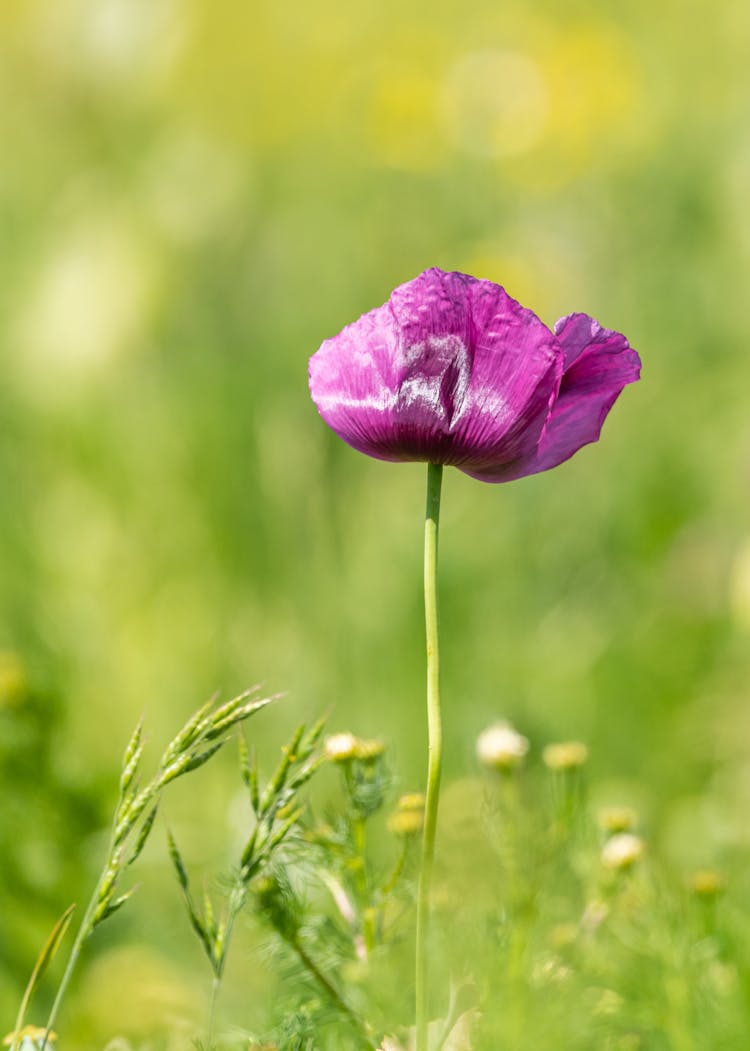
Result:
215,984
398,868
435,745
368,930
236,904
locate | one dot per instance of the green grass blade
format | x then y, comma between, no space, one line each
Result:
43,960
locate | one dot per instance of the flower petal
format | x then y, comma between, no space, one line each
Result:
354,381
433,315
451,370
515,376
600,363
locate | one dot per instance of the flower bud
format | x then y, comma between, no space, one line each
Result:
501,747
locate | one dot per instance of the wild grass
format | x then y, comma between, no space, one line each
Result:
555,922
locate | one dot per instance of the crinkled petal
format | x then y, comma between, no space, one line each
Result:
601,364
354,380
433,315
451,370
515,377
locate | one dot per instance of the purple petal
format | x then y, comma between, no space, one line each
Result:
600,364
354,381
450,370
516,373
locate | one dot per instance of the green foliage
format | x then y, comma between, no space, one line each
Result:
276,814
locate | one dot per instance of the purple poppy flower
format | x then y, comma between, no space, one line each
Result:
452,370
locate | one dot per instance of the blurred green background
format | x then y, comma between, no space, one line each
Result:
193,195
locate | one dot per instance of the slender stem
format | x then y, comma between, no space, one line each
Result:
435,745
236,903
368,928
215,983
398,868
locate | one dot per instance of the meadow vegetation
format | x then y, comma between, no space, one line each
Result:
193,196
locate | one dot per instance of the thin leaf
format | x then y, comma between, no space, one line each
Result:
197,924
43,960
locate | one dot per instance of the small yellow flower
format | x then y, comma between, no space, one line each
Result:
501,747
408,817
622,851
406,822
618,819
565,755
340,748
706,883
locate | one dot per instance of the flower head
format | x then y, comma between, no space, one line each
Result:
501,747
452,370
340,748
706,883
622,851
408,817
